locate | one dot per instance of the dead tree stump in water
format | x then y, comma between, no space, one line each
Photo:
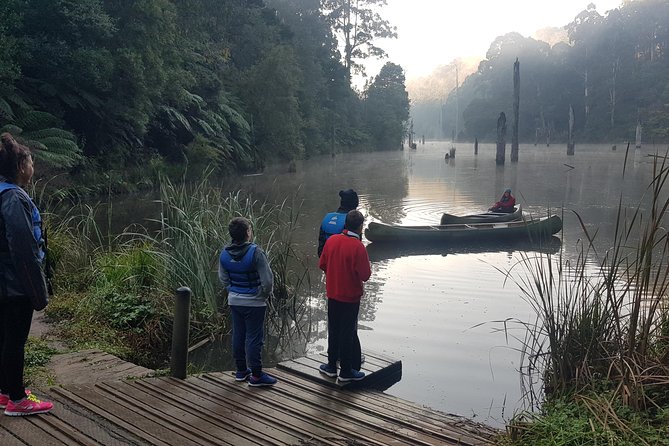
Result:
501,139
516,109
570,141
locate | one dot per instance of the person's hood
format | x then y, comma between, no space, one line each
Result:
349,200
237,252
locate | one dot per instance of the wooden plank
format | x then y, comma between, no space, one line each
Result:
91,424
242,398
144,429
27,432
346,418
64,432
206,414
171,420
388,411
7,439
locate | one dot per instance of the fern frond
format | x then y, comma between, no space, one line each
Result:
11,128
175,117
61,145
50,133
35,120
6,111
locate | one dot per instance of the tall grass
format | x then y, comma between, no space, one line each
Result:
125,282
602,318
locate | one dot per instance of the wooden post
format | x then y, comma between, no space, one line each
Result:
570,141
179,359
476,146
501,139
516,110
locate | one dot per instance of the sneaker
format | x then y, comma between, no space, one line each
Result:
4,399
27,406
353,375
262,380
328,370
242,375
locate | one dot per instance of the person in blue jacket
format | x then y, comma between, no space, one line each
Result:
333,223
22,283
247,277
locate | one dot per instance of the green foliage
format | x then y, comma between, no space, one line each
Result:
231,83
599,342
388,107
40,131
619,59
357,25
591,419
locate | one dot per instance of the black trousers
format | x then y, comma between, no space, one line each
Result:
15,318
343,343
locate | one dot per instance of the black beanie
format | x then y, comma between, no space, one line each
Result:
349,199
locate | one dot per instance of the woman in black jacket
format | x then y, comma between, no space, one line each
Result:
22,283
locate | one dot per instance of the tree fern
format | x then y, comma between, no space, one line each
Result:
6,111
35,120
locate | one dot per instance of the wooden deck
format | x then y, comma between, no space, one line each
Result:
304,408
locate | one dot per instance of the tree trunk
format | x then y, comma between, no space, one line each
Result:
570,141
516,110
476,146
612,91
501,139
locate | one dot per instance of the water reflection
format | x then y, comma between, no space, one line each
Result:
383,251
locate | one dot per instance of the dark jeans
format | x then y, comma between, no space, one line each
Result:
343,342
248,337
15,318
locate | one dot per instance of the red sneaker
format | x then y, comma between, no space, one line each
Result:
4,399
27,406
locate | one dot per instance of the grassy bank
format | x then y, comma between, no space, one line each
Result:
599,346
115,292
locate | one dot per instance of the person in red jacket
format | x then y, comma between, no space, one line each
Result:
505,204
346,265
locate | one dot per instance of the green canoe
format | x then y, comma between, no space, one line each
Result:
486,217
526,228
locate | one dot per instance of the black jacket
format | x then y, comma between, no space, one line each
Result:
21,271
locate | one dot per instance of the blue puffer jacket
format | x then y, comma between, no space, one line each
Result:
21,250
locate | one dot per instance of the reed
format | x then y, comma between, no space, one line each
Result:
601,319
126,282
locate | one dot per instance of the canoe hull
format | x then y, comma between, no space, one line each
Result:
526,229
486,217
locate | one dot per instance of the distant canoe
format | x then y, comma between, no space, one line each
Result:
486,217
526,228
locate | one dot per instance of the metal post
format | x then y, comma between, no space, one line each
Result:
179,360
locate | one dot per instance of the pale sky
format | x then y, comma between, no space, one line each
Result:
434,32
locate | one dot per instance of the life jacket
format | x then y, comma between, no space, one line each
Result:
36,218
333,223
244,278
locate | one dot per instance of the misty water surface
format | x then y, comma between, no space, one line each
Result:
435,309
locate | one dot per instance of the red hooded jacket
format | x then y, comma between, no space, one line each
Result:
346,265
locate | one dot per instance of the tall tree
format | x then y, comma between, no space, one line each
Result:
387,106
358,24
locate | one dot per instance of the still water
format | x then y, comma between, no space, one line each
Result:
438,309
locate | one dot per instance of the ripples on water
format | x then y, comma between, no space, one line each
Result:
436,308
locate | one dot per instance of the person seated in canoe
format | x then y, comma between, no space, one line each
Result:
505,204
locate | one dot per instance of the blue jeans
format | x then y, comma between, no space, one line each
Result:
248,337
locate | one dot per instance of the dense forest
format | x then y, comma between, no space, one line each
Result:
108,85
613,70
